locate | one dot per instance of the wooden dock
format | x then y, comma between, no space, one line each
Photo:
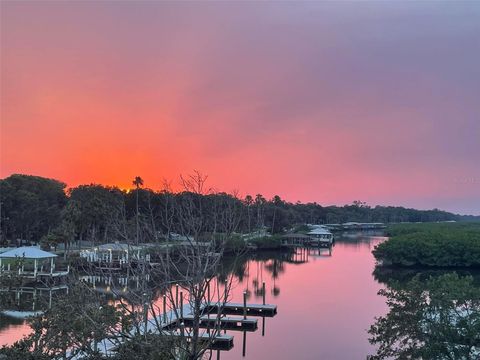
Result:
175,323
266,310
224,323
33,289
218,342
303,240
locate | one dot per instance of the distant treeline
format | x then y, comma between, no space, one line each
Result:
35,208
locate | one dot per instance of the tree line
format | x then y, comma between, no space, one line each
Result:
182,279
34,208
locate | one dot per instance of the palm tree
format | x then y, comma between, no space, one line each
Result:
259,203
249,202
138,182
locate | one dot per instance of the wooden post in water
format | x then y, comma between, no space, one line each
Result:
181,305
165,308
263,292
208,293
226,291
145,313
208,299
244,347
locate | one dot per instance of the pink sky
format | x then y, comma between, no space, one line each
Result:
327,102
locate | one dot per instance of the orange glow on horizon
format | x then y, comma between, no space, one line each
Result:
306,102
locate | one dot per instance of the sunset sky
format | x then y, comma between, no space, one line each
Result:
317,101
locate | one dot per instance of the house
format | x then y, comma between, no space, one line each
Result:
320,235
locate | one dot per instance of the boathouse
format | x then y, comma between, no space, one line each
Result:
34,263
320,235
115,253
295,240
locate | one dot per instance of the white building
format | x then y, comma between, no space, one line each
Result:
320,234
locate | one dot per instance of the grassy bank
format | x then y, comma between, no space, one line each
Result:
431,245
268,242
237,244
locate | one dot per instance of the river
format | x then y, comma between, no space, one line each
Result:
326,302
325,305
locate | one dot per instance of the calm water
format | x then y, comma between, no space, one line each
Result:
326,302
325,306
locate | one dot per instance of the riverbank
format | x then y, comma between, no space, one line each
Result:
432,245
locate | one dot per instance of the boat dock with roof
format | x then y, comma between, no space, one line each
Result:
31,263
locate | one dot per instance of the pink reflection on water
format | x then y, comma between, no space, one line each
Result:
13,333
325,307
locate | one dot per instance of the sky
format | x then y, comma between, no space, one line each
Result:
314,101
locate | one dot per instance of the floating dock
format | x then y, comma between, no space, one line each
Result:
224,323
266,310
176,323
217,342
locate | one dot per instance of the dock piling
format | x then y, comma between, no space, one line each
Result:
263,292
226,290
208,292
164,308
181,305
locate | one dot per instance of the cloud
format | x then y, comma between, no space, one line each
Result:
325,102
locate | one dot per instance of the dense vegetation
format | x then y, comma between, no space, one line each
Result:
433,318
431,245
30,205
34,208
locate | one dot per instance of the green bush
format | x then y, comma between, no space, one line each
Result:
267,242
431,245
234,243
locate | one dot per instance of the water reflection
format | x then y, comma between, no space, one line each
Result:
326,301
432,315
255,270
115,284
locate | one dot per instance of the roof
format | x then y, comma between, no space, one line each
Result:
319,231
21,314
2,250
28,252
295,236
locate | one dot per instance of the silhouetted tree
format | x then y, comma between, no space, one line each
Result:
138,182
31,206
